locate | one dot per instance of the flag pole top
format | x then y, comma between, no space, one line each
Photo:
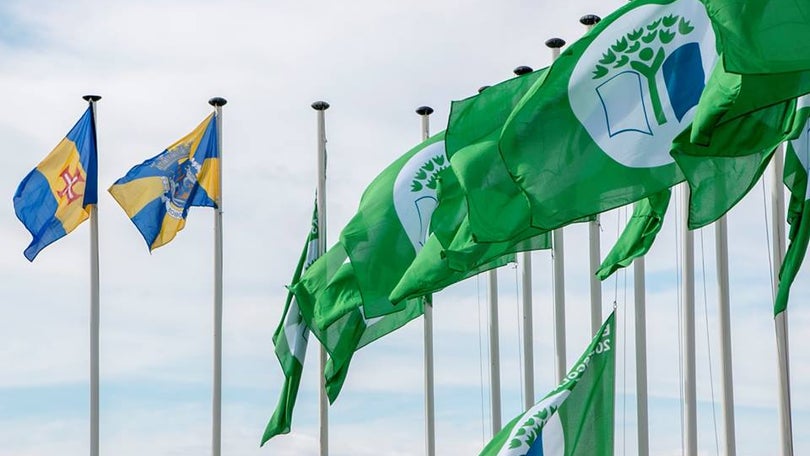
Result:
482,88
91,98
589,19
555,43
320,106
217,102
424,110
523,69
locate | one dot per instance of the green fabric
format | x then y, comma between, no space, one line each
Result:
797,166
728,96
344,295
556,159
290,340
474,128
583,404
382,239
639,234
596,133
721,174
762,36
451,254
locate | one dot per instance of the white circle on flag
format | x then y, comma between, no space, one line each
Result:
636,85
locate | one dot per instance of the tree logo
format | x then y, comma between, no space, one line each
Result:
539,430
637,84
415,191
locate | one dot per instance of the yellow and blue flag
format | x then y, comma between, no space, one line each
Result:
158,193
56,196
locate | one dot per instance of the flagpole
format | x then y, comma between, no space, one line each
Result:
95,308
526,301
781,320
558,264
430,417
688,317
216,438
494,355
323,407
640,298
727,405
589,21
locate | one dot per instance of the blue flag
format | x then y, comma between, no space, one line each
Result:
55,197
158,193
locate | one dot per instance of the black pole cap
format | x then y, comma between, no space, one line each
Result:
555,43
521,70
320,106
482,88
217,101
589,19
424,110
91,98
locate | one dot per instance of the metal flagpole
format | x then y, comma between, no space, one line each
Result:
323,409
557,253
781,320
430,416
639,287
494,355
589,21
95,308
688,316
727,404
526,300
216,437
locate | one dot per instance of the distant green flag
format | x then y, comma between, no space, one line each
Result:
344,296
797,167
290,340
763,36
639,234
332,281
451,253
473,131
576,419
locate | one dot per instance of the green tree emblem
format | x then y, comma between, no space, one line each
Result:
643,50
531,428
428,174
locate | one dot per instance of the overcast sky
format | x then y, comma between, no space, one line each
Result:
156,63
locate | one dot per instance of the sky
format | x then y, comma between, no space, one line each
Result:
156,63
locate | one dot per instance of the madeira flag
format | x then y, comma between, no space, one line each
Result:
56,196
157,194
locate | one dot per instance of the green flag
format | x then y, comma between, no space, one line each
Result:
344,296
576,419
720,174
331,280
290,340
763,36
797,166
597,132
391,224
639,234
451,253
473,131
728,96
